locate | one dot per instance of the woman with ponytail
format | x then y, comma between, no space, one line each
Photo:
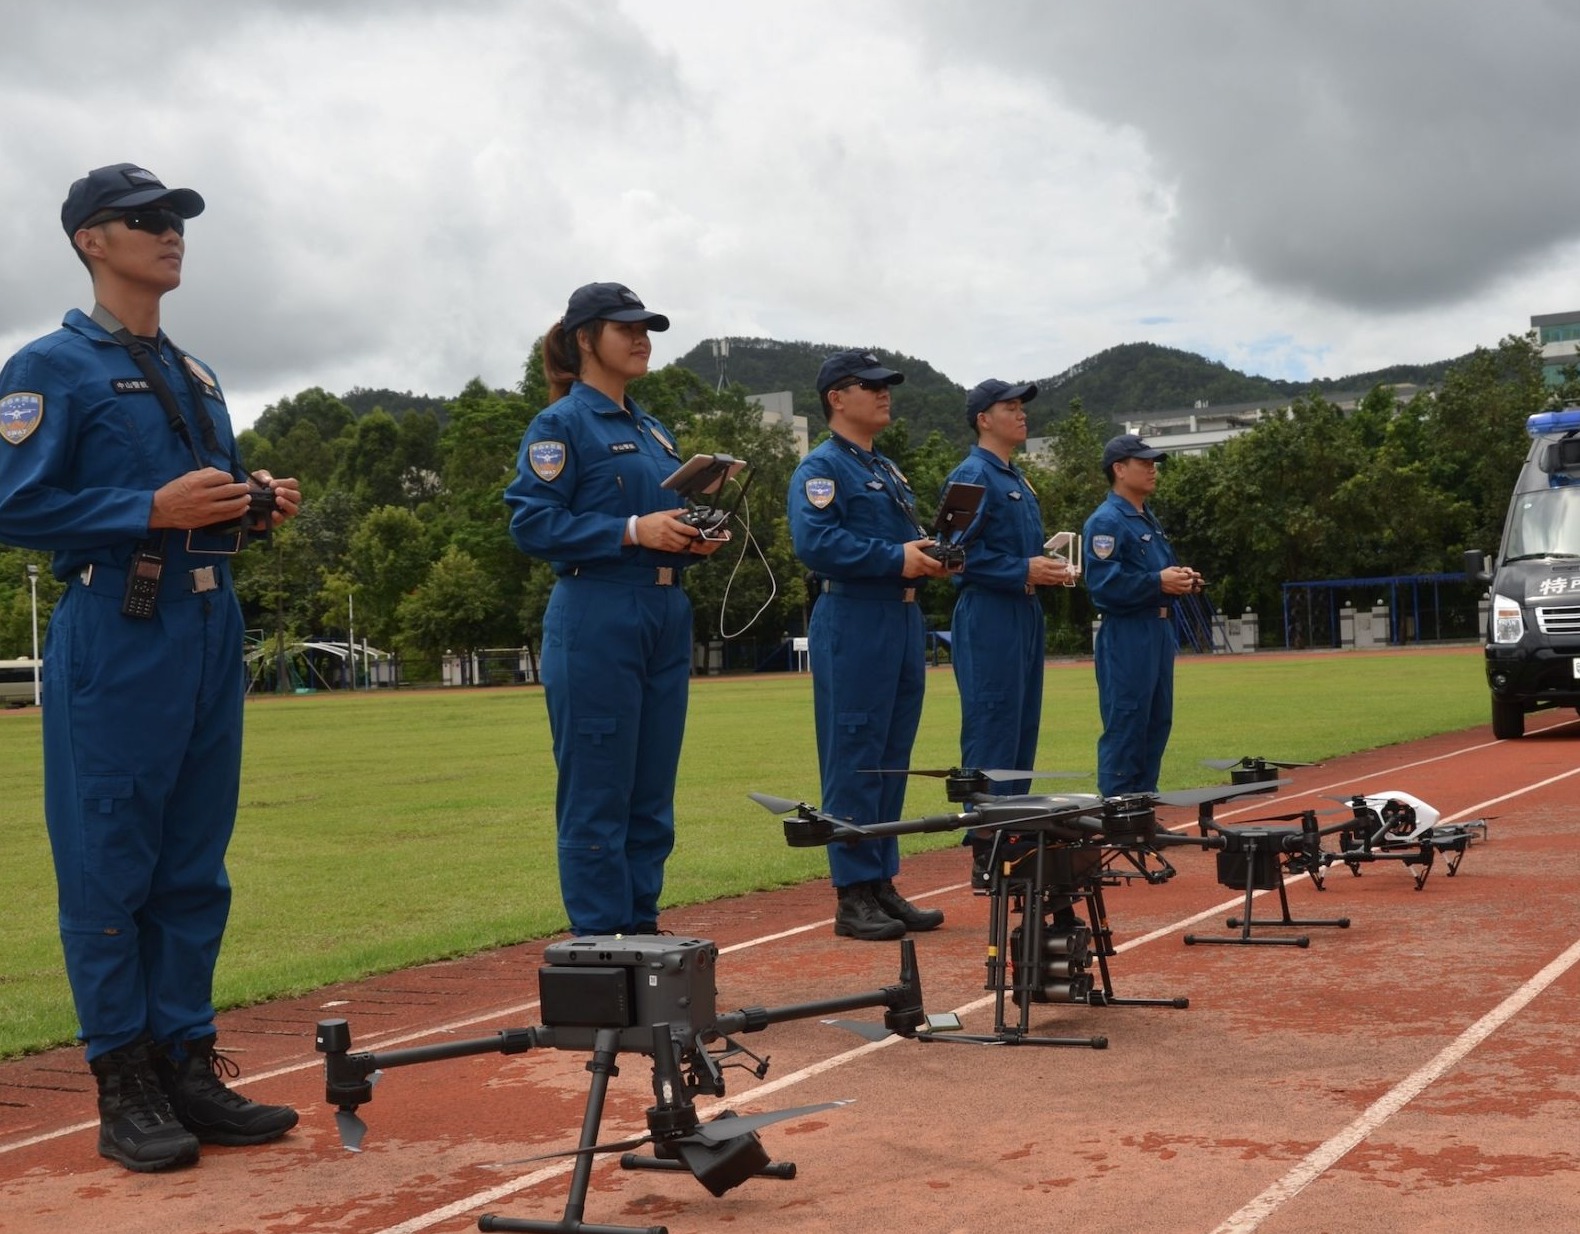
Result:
616,656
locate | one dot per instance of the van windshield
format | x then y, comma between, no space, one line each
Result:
1545,523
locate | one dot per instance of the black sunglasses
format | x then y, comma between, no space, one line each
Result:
871,387
156,220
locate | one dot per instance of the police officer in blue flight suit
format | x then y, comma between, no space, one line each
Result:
853,522
116,453
997,635
1133,575
616,660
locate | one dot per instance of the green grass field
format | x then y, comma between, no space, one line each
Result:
378,831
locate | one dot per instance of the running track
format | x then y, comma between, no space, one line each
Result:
1416,1072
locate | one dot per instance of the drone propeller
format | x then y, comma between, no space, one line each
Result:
776,805
1220,792
1249,763
971,773
1294,817
349,1123
727,1126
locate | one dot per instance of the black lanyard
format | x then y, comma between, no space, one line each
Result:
148,365
881,467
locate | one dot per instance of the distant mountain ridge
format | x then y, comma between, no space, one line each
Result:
1121,382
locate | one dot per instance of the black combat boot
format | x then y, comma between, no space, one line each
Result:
902,910
137,1127
208,1109
859,916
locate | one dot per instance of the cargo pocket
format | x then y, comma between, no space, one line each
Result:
101,792
595,728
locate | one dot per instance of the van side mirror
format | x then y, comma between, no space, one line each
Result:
1476,567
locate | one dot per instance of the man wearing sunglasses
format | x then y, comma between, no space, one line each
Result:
117,455
853,521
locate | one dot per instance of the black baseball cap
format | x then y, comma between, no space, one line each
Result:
862,365
1128,445
608,302
122,186
995,391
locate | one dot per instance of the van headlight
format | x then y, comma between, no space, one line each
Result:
1508,626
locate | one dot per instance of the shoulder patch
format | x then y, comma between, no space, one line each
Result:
20,414
201,373
1102,547
546,458
819,492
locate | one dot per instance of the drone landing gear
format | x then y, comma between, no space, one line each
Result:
1252,864
1039,951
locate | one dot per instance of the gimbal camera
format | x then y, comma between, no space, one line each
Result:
704,476
643,994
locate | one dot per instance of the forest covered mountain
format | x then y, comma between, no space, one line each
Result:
1120,382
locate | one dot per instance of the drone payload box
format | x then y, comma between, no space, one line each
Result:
628,982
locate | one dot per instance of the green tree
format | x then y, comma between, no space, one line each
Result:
452,610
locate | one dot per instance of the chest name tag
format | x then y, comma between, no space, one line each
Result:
622,447
1015,495
130,385
875,485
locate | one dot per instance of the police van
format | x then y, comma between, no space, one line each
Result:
1533,621
16,682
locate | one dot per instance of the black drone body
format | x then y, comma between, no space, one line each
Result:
645,994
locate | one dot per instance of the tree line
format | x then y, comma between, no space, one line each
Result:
403,516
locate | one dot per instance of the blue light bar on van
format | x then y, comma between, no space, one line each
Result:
1562,421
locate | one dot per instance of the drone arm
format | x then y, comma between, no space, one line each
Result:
348,1077
903,1000
917,826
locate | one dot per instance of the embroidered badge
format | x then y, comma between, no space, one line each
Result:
819,492
20,414
546,458
201,373
622,447
659,437
1102,547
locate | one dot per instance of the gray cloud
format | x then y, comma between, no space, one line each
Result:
1381,155
402,194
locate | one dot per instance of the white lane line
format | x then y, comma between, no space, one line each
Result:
1324,1157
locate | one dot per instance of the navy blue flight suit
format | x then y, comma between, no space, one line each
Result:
851,514
616,658
1125,550
142,717
997,639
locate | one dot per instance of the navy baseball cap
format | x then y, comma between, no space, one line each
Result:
122,186
995,391
609,302
1128,445
862,365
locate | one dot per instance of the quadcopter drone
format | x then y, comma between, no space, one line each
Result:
1045,854
1394,826
644,994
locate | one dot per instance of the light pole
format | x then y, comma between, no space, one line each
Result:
32,586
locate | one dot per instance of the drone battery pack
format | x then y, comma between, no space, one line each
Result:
1261,867
586,997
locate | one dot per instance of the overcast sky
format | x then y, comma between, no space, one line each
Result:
403,194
